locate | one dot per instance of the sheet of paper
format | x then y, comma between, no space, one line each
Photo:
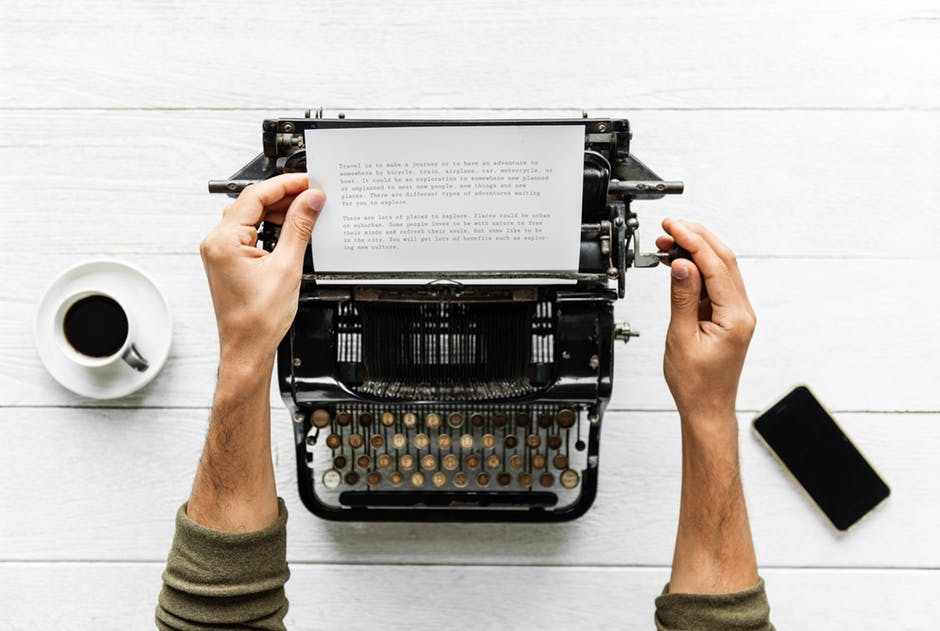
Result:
439,199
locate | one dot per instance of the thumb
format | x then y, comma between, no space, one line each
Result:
686,290
299,220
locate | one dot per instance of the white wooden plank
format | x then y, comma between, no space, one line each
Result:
122,595
105,484
794,184
733,53
858,331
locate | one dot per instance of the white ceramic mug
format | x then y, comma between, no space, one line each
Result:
124,349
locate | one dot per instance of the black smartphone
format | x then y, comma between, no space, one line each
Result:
822,459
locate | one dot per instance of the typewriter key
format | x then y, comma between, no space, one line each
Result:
554,442
546,479
533,440
443,441
410,419
472,461
422,441
488,441
388,419
377,441
560,461
352,478
428,462
504,479
580,445
477,420
483,479
365,419
516,461
363,461
399,441
500,420
569,478
407,461
396,478
545,420
460,479
343,419
384,461
538,461
333,441
523,419
525,479
320,419
339,462
466,441
455,420
332,479
432,420
565,418
374,478
439,479
493,462
417,479
450,462
355,441
511,441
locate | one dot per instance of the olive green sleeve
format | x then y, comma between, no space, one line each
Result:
223,580
747,610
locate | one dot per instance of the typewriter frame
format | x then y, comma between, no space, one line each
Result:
609,246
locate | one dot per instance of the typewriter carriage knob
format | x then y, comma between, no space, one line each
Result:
623,332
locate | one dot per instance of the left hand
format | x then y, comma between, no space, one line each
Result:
255,292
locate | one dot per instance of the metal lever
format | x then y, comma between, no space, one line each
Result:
642,260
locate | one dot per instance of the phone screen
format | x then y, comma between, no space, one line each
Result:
821,457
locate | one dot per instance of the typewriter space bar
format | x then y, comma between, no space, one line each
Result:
443,499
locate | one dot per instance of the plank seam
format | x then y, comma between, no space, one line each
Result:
799,568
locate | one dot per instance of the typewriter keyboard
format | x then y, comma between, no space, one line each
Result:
522,448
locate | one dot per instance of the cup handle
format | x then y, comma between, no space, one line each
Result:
134,359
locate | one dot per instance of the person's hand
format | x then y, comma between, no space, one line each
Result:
255,292
708,338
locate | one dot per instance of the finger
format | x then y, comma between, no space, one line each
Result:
280,206
684,297
664,243
719,284
298,225
723,251
250,206
247,235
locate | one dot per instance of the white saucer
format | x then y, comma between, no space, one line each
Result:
144,304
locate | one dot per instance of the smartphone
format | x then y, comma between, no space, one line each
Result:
821,458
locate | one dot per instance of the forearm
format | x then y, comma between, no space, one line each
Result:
714,551
234,489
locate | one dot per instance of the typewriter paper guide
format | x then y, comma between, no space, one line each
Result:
443,199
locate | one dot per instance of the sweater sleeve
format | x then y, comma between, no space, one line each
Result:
747,610
223,580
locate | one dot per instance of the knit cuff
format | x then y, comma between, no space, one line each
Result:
747,610
225,578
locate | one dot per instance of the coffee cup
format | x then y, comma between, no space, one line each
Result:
93,329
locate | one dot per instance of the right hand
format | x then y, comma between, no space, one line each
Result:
707,339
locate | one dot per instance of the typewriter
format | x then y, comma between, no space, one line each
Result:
449,401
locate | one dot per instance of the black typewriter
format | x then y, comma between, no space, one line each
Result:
451,401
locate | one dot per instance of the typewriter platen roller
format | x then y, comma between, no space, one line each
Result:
446,401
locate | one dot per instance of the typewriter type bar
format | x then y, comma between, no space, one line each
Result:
435,400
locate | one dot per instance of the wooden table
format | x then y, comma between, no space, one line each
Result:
807,133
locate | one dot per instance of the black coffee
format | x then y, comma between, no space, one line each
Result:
96,326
